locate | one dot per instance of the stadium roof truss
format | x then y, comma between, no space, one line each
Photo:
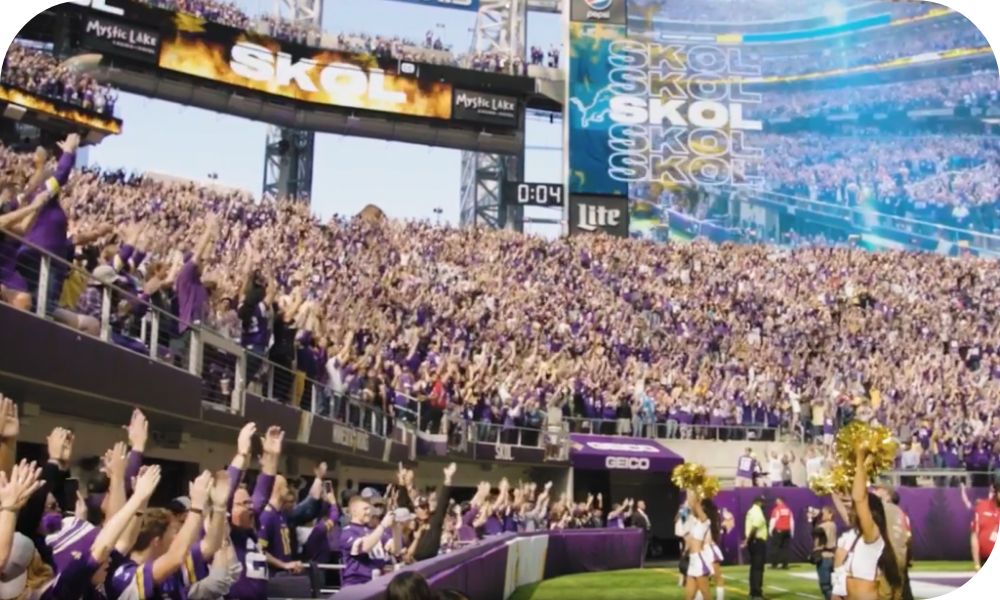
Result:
501,28
288,153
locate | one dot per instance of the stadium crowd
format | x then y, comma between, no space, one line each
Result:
980,90
496,327
40,73
948,179
865,48
738,11
236,536
431,50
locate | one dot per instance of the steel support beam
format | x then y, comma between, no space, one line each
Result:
288,153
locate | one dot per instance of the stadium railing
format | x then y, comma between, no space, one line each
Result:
676,430
220,362
863,219
460,433
940,477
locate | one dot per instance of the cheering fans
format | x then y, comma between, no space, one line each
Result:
439,339
40,73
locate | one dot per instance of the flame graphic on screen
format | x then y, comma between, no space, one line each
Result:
39,104
196,55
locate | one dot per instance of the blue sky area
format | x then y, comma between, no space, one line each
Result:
407,181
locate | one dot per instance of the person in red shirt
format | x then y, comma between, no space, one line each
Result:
985,523
782,529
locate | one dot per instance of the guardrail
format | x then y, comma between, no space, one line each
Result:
941,477
676,430
865,218
115,313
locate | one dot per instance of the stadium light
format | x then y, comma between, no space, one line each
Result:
835,12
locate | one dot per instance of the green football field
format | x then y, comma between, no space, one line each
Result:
929,580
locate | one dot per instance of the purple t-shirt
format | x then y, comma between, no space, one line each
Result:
191,295
358,566
49,229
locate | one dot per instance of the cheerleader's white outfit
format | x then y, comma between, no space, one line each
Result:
700,564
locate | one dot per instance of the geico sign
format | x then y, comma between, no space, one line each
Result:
258,63
627,463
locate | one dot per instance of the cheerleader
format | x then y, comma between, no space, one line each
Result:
703,530
868,556
716,553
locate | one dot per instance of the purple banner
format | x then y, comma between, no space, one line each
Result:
938,518
595,452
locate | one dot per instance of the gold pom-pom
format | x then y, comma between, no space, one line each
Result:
837,480
688,476
876,440
709,487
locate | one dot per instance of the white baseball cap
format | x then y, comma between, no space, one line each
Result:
14,576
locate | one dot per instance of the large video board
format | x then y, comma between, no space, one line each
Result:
786,121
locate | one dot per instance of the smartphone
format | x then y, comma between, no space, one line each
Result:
68,501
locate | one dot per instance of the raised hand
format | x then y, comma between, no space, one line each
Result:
57,442
219,493
245,440
388,520
70,144
320,470
114,461
272,440
199,490
449,472
16,489
138,431
146,482
10,424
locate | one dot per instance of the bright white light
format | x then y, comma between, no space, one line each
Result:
835,12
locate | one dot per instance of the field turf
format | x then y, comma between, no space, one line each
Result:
930,579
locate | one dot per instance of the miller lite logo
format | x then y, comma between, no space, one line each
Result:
590,214
592,218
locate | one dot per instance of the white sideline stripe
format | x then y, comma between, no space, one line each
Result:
776,588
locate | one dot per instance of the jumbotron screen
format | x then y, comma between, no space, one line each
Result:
787,121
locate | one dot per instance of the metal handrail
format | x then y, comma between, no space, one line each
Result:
848,211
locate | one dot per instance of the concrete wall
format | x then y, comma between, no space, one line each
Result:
720,457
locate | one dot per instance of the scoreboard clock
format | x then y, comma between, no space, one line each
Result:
533,194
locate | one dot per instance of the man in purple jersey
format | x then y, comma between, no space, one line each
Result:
161,551
252,584
278,521
364,550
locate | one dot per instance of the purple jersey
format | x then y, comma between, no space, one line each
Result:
745,467
252,584
132,581
191,295
275,539
616,523
359,567
73,582
72,541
